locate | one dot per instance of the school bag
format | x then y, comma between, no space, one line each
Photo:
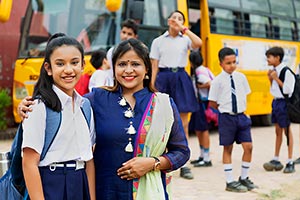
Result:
293,102
12,183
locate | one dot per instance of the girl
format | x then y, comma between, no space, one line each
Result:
67,171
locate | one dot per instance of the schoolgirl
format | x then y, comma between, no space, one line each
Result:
67,171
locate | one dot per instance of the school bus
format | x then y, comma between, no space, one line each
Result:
250,27
95,23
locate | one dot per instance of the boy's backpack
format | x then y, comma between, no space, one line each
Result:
12,184
293,103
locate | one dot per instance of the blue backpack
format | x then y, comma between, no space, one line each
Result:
12,184
293,102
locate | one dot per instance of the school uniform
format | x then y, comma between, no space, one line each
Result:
172,54
279,107
233,127
100,78
198,119
70,149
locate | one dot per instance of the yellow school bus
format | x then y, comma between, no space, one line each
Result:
250,27
95,23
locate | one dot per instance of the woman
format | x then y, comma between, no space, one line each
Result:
139,134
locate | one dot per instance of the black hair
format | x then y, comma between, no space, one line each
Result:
177,11
142,51
226,51
196,58
130,23
97,58
43,88
276,51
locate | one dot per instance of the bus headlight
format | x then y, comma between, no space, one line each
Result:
20,91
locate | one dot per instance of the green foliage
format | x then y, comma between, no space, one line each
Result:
5,101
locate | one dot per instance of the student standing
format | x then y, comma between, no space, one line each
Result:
101,77
69,159
169,54
279,109
228,93
198,121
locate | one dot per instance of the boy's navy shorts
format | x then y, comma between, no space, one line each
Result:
198,121
279,113
234,128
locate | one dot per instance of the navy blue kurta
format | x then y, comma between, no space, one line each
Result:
112,138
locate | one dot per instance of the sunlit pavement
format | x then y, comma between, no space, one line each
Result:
209,182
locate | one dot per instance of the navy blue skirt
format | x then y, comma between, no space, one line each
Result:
64,184
179,86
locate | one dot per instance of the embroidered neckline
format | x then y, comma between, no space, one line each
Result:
129,114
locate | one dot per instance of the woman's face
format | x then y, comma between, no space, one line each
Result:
66,67
130,71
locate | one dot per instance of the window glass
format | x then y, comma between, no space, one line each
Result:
282,29
231,3
168,6
224,21
284,8
258,25
256,5
297,8
151,6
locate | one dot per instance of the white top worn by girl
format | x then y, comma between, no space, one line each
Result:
203,75
220,91
74,139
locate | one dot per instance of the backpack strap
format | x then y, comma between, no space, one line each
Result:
86,110
53,122
282,77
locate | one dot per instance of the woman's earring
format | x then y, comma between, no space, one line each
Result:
146,76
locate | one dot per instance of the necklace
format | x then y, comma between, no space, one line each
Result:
130,130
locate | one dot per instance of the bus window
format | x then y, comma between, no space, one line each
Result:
224,21
285,29
256,5
298,30
150,8
297,6
283,8
232,3
259,25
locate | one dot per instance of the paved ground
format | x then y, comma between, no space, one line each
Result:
209,183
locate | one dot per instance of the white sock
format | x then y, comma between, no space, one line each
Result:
201,151
228,172
206,157
276,158
245,170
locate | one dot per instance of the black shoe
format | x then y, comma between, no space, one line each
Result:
289,168
297,161
273,165
236,186
247,183
186,173
203,164
196,161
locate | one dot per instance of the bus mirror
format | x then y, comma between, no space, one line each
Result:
113,5
5,9
136,11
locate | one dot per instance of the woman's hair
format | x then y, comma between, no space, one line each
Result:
97,58
196,58
142,51
43,88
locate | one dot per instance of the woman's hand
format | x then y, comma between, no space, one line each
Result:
24,107
136,167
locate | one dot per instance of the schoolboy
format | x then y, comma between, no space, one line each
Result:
279,108
228,94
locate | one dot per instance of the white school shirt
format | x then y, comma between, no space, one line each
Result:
288,85
109,59
100,78
220,91
203,75
74,139
171,52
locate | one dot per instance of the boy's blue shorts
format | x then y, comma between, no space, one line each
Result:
234,128
279,113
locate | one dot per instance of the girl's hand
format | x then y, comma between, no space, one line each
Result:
175,24
136,168
24,107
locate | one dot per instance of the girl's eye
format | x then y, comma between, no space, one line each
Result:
60,64
75,62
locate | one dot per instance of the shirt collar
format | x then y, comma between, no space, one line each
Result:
166,34
64,98
279,67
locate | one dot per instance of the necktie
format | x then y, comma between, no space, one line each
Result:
233,96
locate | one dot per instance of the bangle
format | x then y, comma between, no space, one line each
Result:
156,166
184,30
